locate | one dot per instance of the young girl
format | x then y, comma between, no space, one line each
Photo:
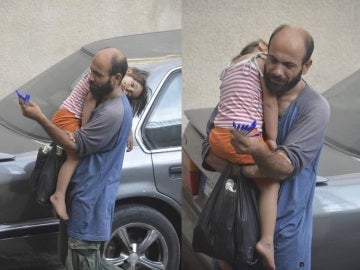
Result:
243,99
75,112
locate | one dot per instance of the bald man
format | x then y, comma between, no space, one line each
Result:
303,118
92,192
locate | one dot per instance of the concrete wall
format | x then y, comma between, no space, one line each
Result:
214,31
35,34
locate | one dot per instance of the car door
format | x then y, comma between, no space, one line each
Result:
161,133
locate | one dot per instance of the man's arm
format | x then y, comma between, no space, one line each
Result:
301,142
279,167
273,164
58,135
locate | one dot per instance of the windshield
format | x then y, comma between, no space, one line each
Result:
344,127
48,90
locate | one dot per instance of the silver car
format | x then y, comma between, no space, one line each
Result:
147,223
336,230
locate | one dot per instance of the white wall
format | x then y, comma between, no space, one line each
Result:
214,31
35,34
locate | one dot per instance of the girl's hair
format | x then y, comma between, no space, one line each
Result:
249,48
138,104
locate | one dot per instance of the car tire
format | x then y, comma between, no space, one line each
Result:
142,238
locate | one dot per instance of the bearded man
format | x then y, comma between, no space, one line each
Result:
101,145
303,118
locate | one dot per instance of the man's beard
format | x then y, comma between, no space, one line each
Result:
101,91
283,86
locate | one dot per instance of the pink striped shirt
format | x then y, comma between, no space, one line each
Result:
74,103
240,95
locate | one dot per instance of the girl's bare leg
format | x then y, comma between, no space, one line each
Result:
69,166
267,210
58,198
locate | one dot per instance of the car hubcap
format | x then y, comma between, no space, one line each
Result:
137,246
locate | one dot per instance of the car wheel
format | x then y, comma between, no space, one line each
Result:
142,239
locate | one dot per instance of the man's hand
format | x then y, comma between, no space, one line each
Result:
273,164
31,110
65,139
242,144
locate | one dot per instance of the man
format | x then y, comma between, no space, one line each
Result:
303,118
100,145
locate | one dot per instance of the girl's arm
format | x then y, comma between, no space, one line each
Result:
270,109
130,142
89,106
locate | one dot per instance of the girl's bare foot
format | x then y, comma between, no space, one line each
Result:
58,202
225,265
266,250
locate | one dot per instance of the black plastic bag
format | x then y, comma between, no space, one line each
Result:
213,233
247,223
44,176
228,226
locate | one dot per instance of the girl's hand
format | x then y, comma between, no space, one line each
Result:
130,142
271,144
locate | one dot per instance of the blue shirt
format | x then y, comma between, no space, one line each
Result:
92,191
301,133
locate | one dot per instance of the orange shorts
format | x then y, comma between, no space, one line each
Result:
220,141
66,120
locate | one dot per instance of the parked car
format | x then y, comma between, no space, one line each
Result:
336,234
147,223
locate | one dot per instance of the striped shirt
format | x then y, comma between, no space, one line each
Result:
74,103
240,95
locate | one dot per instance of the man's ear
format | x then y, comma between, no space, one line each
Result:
306,66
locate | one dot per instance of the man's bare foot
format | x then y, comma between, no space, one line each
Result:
58,202
266,250
225,265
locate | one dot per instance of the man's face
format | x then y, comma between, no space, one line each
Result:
282,83
99,78
284,64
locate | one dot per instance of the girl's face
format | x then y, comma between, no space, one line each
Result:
131,87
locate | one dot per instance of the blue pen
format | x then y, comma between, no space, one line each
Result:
244,129
25,98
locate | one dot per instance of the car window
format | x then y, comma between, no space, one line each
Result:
162,126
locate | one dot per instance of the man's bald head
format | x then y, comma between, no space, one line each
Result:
294,32
114,59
